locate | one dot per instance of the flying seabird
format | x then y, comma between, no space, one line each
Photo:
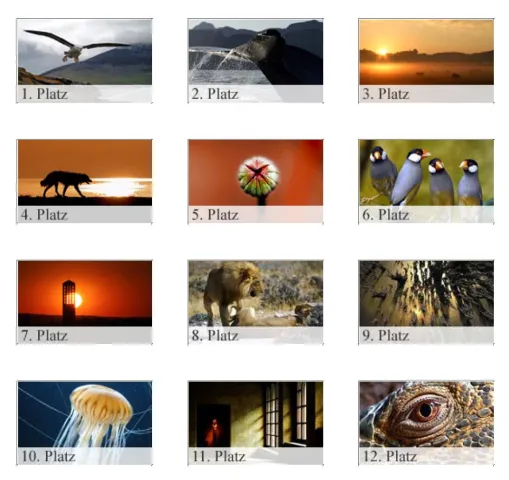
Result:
75,50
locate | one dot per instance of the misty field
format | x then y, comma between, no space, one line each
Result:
451,152
286,284
425,73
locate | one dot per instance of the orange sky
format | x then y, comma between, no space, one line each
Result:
96,158
108,289
214,164
427,36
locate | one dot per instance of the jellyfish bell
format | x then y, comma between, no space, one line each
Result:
98,420
258,176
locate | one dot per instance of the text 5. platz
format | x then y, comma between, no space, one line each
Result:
215,214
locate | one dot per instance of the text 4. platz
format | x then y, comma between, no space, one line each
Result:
46,214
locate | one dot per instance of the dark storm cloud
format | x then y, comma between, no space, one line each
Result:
38,54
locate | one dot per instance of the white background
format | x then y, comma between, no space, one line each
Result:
170,121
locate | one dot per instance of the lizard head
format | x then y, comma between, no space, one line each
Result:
431,414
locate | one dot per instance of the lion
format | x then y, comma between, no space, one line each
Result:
246,317
230,284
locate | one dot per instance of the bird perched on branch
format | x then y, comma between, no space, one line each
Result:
383,172
469,188
440,184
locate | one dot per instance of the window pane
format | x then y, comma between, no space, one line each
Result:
303,432
299,415
299,399
299,431
304,415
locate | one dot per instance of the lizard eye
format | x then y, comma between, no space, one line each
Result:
422,417
425,411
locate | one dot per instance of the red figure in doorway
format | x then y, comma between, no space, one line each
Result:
214,434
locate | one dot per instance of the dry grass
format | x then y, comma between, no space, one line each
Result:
286,284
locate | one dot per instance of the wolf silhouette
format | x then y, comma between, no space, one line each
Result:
66,179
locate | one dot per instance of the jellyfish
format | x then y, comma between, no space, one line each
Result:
258,176
98,420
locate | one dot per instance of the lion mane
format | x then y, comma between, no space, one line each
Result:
230,284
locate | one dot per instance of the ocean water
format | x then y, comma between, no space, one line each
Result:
101,187
218,66
227,77
44,406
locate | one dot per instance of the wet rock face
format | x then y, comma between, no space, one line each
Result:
27,78
265,47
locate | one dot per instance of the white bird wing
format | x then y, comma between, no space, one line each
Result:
51,35
97,45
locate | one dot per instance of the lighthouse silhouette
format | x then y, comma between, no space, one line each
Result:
68,302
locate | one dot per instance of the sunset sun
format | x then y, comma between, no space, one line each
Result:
78,300
382,52
115,187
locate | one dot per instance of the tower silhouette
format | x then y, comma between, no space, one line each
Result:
68,302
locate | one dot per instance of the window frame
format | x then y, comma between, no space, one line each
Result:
272,415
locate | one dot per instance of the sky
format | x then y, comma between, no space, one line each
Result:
39,54
256,25
96,158
214,166
427,36
108,289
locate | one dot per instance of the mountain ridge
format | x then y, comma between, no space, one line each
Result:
307,35
119,66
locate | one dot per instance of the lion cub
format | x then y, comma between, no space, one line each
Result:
230,284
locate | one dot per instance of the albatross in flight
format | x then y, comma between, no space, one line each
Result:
74,50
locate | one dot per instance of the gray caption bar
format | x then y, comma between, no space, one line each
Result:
85,214
94,335
260,335
253,456
255,93
426,94
265,214
84,93
84,456
426,335
427,456
426,214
